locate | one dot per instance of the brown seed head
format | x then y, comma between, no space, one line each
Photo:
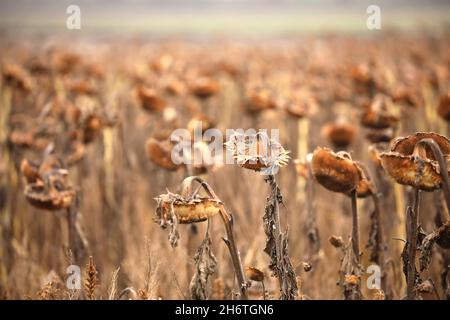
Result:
150,100
55,196
380,135
205,87
187,210
378,115
335,171
254,274
160,153
257,152
419,170
198,122
340,133
259,99
15,75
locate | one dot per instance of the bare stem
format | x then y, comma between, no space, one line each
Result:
311,222
263,289
231,244
443,171
72,213
229,241
355,227
277,243
412,233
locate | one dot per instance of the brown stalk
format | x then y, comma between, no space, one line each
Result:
350,273
71,221
376,232
412,216
355,227
277,243
376,228
442,169
229,241
311,222
263,287
412,225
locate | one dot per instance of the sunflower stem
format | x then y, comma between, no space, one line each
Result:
229,241
231,244
437,152
355,227
72,212
263,290
412,234
378,246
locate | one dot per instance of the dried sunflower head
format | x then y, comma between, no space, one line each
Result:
160,153
415,166
65,62
254,274
204,87
380,135
16,76
21,138
92,127
300,104
406,96
185,209
379,115
150,100
257,152
259,99
199,122
162,63
335,171
340,133
54,192
174,87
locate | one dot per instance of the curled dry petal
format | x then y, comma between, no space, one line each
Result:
365,186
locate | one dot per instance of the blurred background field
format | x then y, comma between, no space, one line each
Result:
220,17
